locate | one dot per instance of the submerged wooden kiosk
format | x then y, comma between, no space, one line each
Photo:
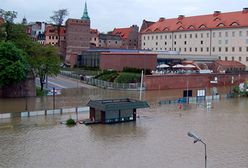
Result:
114,110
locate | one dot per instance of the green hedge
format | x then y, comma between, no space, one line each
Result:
125,77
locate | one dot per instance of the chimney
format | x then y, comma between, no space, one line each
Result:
245,10
180,17
216,13
161,19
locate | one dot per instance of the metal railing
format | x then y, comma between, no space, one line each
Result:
102,84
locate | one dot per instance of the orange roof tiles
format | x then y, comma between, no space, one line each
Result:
94,31
201,22
230,63
52,30
122,32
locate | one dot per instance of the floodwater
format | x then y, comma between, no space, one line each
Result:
157,139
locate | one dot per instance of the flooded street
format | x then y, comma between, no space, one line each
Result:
157,139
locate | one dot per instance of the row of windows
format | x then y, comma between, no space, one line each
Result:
201,49
233,59
53,37
201,42
196,35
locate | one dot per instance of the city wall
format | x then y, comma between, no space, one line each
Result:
184,81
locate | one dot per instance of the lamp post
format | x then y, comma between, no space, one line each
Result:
196,139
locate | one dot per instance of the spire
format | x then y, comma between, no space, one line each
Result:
85,15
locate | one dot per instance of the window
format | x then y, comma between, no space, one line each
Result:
165,36
185,42
190,35
175,36
175,42
161,37
226,49
156,37
219,42
226,41
207,49
219,34
247,49
240,49
144,37
207,35
196,49
185,49
219,49
240,59
190,49
213,49
232,58
165,43
219,58
213,34
49,37
201,35
226,34
226,58
165,49
170,36
144,44
180,36
175,49
185,36
148,37
233,49
156,48
156,43
196,35
246,59
201,49
152,37
180,49
233,34
201,42
240,33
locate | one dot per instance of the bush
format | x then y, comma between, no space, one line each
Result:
128,78
70,122
40,92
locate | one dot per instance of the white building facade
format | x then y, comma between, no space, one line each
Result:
220,34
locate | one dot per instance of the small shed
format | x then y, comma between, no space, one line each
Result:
114,110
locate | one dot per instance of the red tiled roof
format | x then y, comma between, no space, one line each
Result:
52,30
122,32
94,31
230,63
201,22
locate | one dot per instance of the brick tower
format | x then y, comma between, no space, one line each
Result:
77,36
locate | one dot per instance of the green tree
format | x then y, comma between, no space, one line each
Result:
13,64
44,61
8,17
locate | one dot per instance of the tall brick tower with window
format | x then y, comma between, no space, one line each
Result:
77,36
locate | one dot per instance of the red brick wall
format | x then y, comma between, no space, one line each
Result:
178,81
118,61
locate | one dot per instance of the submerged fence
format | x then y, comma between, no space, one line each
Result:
198,99
45,112
102,84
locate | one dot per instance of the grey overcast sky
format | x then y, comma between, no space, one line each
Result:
108,14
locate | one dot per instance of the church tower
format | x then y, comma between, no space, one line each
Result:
77,36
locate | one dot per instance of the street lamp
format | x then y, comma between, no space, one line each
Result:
196,139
